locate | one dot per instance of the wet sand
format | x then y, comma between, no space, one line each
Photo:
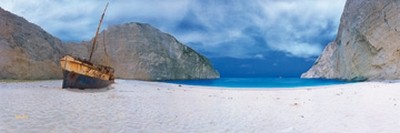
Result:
138,106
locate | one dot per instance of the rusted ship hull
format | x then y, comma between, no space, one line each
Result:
74,80
81,74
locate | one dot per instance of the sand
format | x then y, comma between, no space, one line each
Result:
138,106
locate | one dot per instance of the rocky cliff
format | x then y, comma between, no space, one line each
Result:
367,46
26,50
140,51
136,51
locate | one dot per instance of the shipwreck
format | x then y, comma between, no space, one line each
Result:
81,73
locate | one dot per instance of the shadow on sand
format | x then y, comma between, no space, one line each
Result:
97,90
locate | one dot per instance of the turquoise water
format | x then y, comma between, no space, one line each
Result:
260,82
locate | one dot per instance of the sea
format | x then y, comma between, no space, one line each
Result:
260,82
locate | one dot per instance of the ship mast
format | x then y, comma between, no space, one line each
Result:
97,32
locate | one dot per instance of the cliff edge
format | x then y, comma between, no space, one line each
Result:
367,46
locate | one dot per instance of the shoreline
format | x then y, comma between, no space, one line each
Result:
260,83
142,106
210,87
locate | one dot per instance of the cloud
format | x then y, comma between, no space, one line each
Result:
76,20
300,27
227,28
259,56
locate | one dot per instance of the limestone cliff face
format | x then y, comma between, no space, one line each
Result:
367,46
26,50
140,51
136,51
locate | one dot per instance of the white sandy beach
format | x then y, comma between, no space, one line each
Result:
138,106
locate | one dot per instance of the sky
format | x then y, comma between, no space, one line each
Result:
276,33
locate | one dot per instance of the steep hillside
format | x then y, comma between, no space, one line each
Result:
26,50
140,51
367,46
